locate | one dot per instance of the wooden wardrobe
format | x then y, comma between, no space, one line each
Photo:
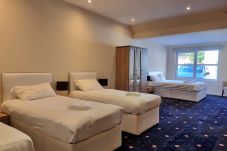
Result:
131,69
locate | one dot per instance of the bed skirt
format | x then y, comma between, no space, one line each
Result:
136,124
105,141
195,96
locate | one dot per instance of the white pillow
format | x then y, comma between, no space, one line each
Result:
156,76
88,84
33,92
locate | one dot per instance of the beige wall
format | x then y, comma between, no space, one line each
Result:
57,37
54,36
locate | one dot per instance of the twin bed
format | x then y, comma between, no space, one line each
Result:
13,140
141,111
177,89
52,125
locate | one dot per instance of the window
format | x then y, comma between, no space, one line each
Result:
197,63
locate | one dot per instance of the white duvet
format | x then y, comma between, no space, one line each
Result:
14,140
179,85
52,116
130,104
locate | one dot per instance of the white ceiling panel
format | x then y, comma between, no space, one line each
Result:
212,36
147,10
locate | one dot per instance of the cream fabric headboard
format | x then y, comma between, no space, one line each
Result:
10,80
80,76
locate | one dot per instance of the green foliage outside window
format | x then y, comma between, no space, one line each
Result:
200,57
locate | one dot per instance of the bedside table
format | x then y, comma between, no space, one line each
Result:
4,118
63,93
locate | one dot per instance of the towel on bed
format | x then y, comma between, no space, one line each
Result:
80,106
133,94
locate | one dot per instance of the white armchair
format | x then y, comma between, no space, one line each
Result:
224,87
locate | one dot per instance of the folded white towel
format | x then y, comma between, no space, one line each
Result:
133,94
80,106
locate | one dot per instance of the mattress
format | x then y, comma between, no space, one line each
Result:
130,104
52,116
179,85
14,140
182,95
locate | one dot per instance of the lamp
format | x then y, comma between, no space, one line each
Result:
62,85
103,82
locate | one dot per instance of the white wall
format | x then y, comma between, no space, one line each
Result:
214,87
157,55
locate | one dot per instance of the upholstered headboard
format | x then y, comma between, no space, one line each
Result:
80,76
10,80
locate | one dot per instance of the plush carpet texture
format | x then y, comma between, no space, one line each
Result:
184,126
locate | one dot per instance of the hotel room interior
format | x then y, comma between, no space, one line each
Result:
122,75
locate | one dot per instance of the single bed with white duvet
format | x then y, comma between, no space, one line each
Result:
55,122
131,102
177,89
51,115
141,111
13,140
193,86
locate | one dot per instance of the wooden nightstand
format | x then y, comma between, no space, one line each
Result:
4,118
63,93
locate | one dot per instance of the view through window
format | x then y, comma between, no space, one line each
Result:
197,64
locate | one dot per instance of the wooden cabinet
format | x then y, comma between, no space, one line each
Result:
131,69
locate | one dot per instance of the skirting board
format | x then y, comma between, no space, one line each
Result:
137,124
105,141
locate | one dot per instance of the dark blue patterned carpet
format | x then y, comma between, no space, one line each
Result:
184,126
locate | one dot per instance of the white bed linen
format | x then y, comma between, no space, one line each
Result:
52,116
179,85
14,140
130,104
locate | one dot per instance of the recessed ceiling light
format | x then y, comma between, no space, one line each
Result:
89,1
188,8
132,20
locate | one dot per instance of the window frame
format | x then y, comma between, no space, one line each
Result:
195,50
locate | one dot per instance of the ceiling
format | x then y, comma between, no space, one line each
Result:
212,36
147,10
